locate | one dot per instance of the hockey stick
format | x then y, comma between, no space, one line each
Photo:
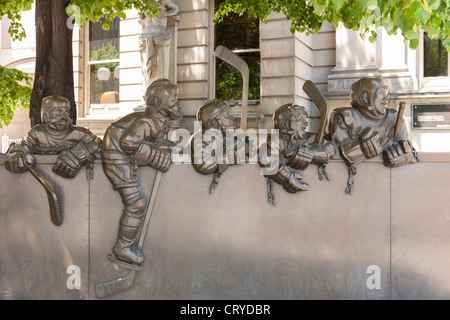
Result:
235,61
123,283
398,123
319,100
322,104
53,202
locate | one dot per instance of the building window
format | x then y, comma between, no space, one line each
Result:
241,35
103,64
435,61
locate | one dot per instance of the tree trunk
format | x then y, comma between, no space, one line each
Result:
54,60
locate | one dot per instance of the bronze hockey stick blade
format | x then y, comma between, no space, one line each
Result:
53,202
115,286
319,100
237,62
123,283
232,59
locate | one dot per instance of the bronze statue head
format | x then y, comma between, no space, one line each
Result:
215,114
290,119
370,95
162,97
55,112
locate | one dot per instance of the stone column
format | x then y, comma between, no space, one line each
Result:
172,23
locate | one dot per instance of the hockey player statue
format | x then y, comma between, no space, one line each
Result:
217,147
296,150
75,147
138,139
368,128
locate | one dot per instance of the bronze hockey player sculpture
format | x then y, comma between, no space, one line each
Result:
215,149
75,146
296,149
369,128
138,139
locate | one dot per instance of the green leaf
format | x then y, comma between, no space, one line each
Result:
436,20
446,44
433,4
338,4
412,35
422,14
414,43
319,6
372,5
410,12
98,12
430,5
13,93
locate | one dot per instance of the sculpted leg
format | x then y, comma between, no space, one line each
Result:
126,247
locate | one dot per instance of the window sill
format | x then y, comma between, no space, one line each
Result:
103,111
433,83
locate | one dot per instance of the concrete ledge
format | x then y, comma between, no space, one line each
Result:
423,156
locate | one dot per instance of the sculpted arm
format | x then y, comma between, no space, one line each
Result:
70,161
135,142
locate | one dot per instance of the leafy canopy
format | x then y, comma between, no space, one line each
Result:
81,10
13,10
15,91
408,16
106,10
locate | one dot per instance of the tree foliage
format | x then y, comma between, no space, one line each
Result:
408,16
106,10
15,91
13,10
82,11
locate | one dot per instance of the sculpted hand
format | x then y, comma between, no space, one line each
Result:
370,143
67,165
398,154
18,161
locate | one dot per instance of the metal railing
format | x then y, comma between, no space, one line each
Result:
6,142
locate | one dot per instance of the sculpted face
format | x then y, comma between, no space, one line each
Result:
298,125
56,114
380,100
225,119
370,96
171,104
164,100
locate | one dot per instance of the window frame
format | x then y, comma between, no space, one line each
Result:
430,83
111,110
213,62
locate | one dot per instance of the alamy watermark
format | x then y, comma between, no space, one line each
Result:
74,280
74,12
234,146
374,280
